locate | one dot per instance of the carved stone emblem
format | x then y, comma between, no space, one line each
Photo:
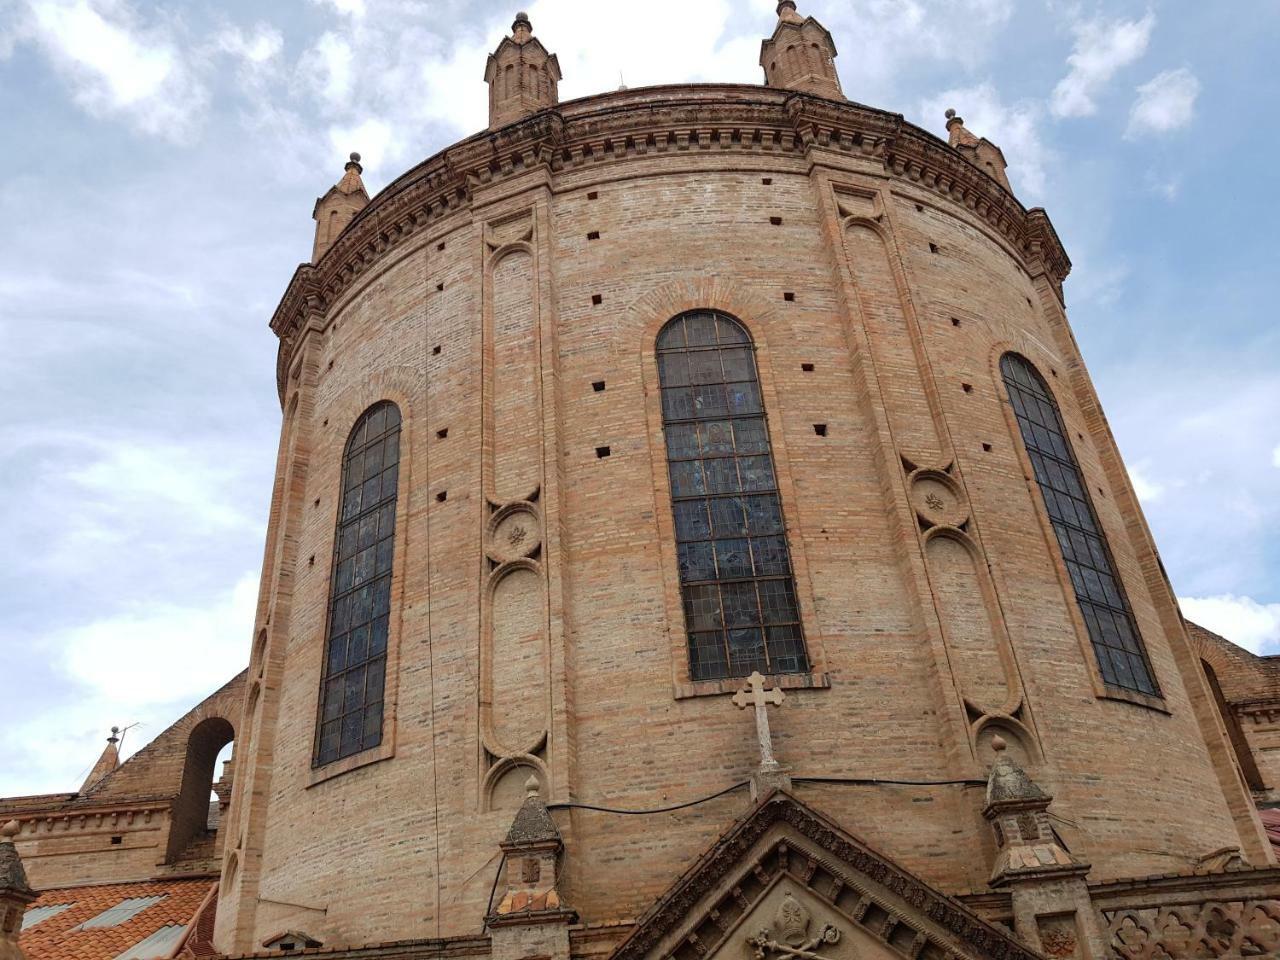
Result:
514,532
937,498
790,934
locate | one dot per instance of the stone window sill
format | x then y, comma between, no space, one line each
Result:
729,685
318,775
1139,699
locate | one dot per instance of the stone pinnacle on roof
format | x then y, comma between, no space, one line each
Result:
1008,781
979,151
787,11
531,867
351,182
338,207
521,28
107,762
800,55
533,823
15,893
523,76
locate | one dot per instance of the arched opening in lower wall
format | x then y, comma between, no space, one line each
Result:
193,826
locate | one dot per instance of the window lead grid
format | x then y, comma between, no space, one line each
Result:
737,588
1104,607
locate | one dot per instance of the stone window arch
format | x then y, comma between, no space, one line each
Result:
737,587
1104,606
355,654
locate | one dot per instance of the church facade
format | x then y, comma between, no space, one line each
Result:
695,534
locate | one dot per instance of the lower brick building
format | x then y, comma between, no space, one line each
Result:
695,534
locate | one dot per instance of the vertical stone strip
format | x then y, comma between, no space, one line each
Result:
514,648
959,603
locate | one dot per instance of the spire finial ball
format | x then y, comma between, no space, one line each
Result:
10,830
532,786
998,744
355,157
951,112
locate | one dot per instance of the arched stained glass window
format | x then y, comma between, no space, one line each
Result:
739,595
1122,658
360,593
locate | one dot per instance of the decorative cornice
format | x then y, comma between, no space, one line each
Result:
729,854
719,118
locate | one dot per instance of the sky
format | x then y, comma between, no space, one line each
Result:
163,160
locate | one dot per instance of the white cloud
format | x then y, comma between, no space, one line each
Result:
1168,187
1275,457
262,44
1014,128
375,141
134,667
1165,103
327,68
352,8
1242,620
1148,490
1102,48
142,657
116,66
905,33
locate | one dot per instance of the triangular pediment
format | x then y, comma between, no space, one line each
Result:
787,883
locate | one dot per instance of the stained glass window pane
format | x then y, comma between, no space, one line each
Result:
1122,658
360,592
735,572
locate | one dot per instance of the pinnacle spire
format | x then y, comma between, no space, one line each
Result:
338,207
800,55
523,77
107,762
980,151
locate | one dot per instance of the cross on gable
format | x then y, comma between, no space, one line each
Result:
754,694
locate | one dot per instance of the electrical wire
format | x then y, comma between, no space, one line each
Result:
855,781
878,781
573,805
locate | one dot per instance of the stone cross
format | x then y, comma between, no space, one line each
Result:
754,694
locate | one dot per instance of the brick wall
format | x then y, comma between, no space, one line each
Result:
402,842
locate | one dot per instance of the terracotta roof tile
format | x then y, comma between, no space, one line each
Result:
1271,822
55,938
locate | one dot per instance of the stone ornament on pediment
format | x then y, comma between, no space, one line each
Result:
787,883
790,927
